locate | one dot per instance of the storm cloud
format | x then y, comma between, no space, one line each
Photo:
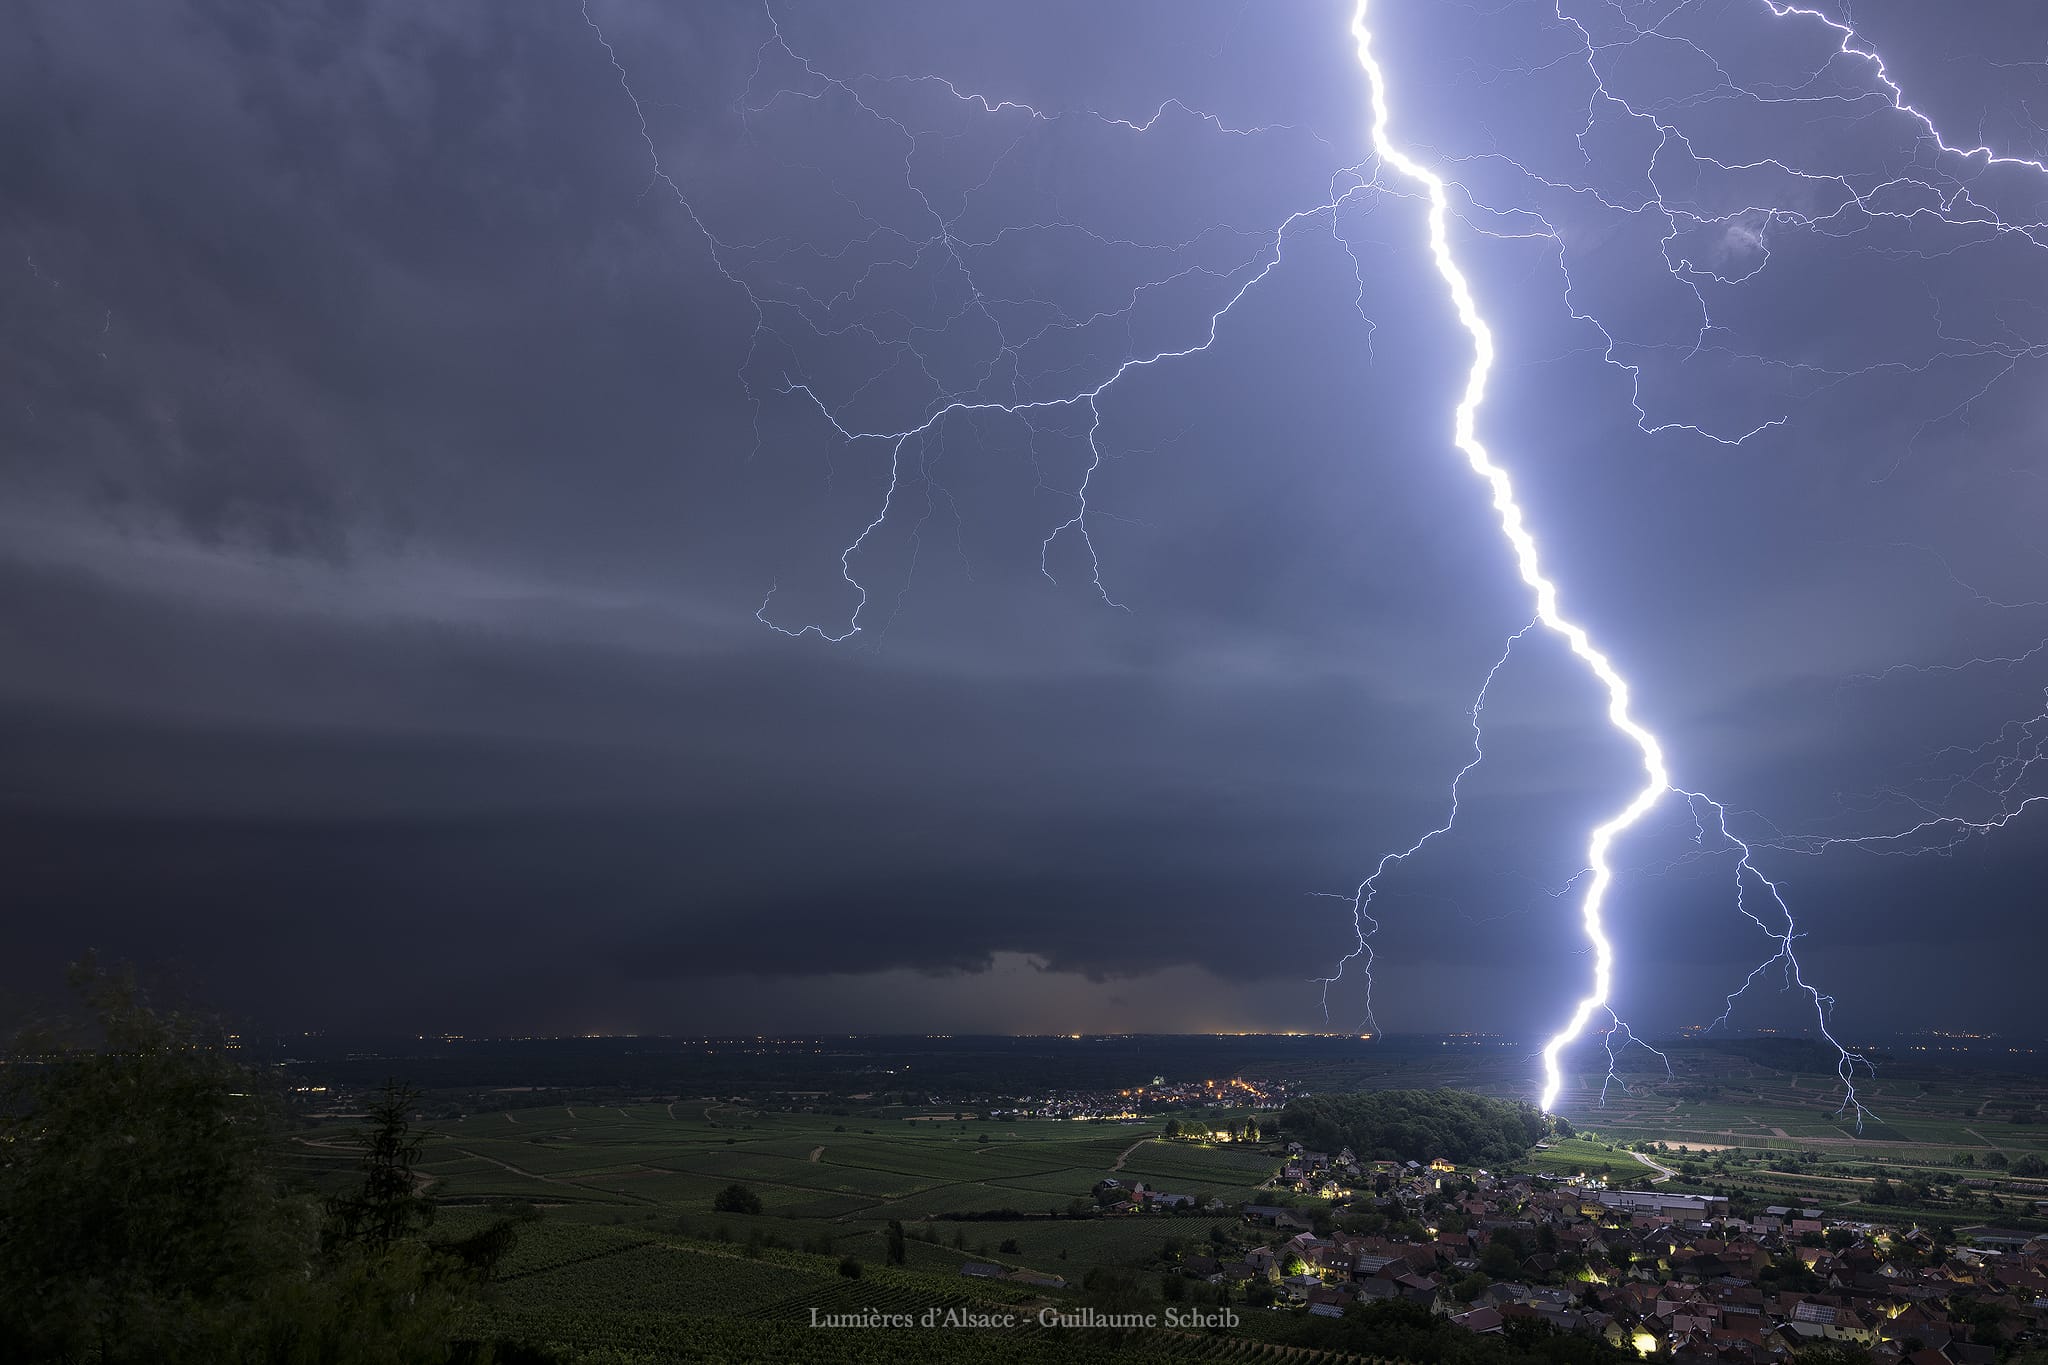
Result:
393,475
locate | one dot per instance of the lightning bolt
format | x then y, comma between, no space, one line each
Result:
1549,613
1066,402
1528,561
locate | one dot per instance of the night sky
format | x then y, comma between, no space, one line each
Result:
397,447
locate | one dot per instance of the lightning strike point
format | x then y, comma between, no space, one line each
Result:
1523,543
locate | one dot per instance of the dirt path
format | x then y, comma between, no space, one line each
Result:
554,1180
817,1152
1664,1172
509,1118
353,1148
1125,1155
672,1109
508,1166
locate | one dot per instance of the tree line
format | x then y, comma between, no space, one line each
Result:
142,1220
1416,1125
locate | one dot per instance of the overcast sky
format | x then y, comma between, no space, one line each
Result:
403,419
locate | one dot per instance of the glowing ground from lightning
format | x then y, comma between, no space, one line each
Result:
1762,200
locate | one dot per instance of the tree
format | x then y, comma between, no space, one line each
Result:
389,1207
139,1222
850,1268
897,1250
1172,1129
1500,1260
133,1190
736,1198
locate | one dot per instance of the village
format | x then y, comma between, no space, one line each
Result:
1133,1103
1672,1275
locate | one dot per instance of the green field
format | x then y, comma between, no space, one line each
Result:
1781,1136
689,1301
1582,1156
622,1258
634,1171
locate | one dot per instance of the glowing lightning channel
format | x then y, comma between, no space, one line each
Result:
1515,528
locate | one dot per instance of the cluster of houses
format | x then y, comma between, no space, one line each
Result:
1238,1093
1138,1197
1332,1177
1674,1275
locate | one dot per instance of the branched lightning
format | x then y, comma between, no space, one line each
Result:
1465,422
1762,199
2003,766
1363,924
1717,214
1003,372
1783,934
1850,46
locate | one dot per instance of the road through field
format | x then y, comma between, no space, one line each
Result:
548,1179
1664,1172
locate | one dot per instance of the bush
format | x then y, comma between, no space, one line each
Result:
736,1199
